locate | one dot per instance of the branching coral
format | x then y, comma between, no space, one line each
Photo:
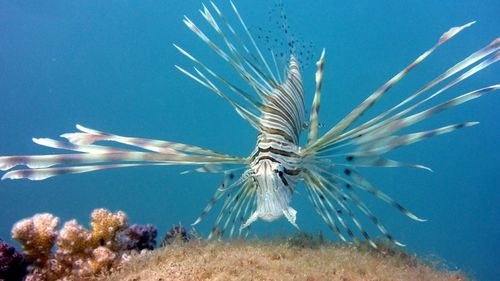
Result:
36,236
105,225
73,239
102,259
12,264
80,253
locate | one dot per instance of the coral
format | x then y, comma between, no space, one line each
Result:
73,244
12,263
36,236
141,237
79,253
177,233
105,226
35,275
102,259
73,239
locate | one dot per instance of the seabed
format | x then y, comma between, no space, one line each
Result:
298,258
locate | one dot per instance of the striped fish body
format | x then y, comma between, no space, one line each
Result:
276,161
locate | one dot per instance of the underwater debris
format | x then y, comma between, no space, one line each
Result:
79,253
141,237
12,263
177,233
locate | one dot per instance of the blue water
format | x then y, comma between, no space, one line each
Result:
109,66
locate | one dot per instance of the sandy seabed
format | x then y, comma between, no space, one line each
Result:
257,260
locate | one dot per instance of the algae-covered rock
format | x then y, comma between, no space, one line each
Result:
278,260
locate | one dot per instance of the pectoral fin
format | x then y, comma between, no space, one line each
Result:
250,220
291,214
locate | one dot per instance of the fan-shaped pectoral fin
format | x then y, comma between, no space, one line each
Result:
291,214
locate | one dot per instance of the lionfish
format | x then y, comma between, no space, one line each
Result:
274,106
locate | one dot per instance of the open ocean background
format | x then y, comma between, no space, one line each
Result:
108,65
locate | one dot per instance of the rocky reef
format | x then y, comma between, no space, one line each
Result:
113,250
297,258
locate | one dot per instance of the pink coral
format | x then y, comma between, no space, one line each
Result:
80,253
103,258
36,236
73,239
